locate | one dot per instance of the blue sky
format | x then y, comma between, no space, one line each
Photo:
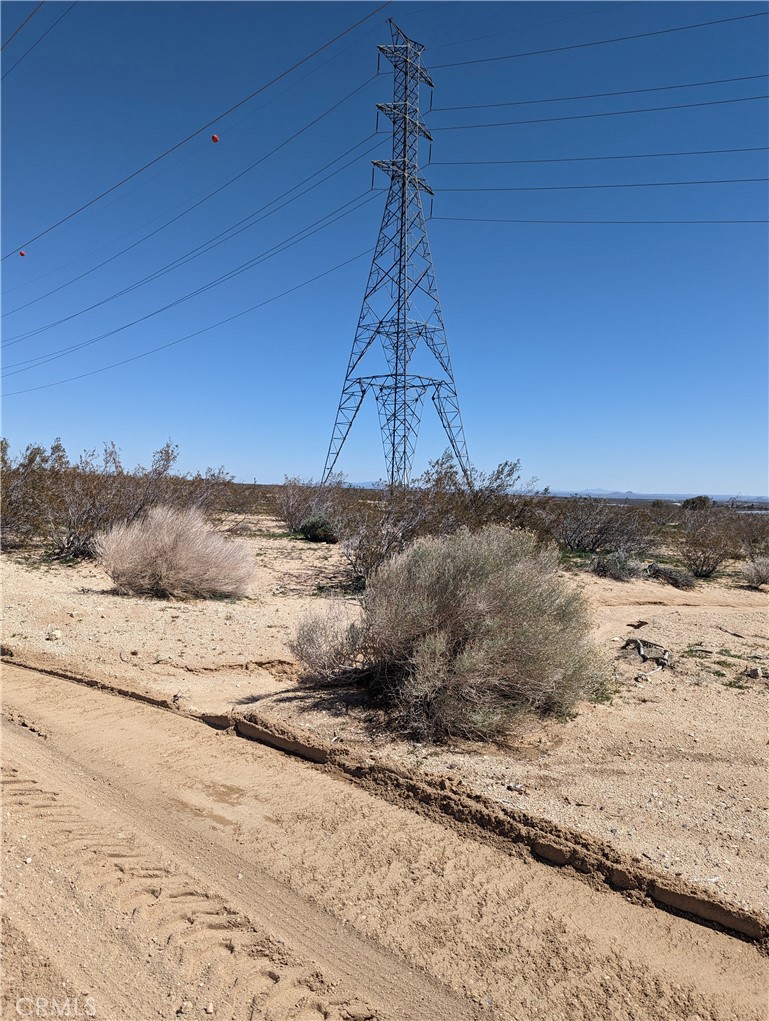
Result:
620,355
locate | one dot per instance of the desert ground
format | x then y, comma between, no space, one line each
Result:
158,866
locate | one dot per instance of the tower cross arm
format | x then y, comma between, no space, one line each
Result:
396,169
400,111
407,56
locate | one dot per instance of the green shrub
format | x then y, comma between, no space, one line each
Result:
318,529
176,554
461,634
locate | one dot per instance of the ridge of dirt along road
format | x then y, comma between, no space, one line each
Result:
156,868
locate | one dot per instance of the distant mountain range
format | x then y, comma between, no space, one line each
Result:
611,494
615,494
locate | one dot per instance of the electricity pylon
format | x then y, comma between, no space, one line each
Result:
401,306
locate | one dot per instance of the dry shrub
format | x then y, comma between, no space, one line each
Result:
374,525
51,501
707,539
615,566
298,500
671,576
586,524
328,642
175,554
755,573
461,634
751,532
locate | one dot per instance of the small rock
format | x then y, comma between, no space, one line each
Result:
27,861
186,1006
53,635
209,1008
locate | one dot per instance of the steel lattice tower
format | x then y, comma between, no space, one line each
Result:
401,305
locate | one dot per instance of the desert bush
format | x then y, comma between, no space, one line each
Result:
751,533
298,500
374,525
174,553
585,524
697,503
460,634
671,576
328,643
30,499
755,573
318,529
617,566
707,539
49,500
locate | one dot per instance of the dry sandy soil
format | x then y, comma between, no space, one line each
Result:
217,874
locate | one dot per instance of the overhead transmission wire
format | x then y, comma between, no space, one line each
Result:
206,246
593,187
197,333
199,130
528,28
605,113
579,159
49,29
502,219
196,204
598,42
214,192
277,249
21,26
598,95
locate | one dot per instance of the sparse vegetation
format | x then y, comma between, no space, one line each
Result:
173,553
59,506
462,633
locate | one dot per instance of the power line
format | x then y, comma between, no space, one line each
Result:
21,26
216,191
528,28
197,333
579,187
49,29
611,113
282,246
495,219
204,127
204,248
598,95
580,159
599,42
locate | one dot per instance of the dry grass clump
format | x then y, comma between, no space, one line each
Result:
461,634
174,554
755,573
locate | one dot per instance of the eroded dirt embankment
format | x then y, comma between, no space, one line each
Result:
206,865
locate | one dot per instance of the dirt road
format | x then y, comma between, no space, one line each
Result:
156,868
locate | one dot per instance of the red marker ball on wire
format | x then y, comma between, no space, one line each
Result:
22,254
214,138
